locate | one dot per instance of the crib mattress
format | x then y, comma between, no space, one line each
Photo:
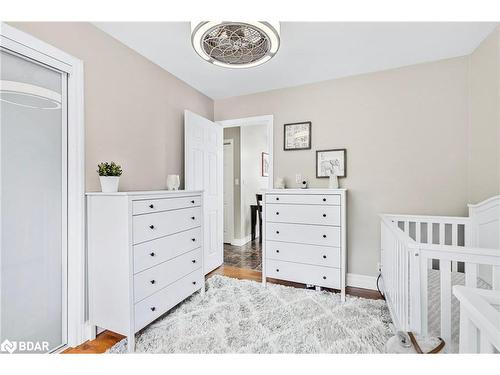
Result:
434,305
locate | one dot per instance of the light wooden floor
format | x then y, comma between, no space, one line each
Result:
107,339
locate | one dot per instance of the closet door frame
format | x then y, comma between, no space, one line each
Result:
23,44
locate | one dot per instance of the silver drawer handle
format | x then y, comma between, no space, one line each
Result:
151,227
151,206
194,261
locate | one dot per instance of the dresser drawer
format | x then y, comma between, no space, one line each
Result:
301,233
164,204
151,253
303,273
303,214
151,226
153,279
328,199
157,304
310,254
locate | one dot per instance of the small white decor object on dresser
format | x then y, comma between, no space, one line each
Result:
145,255
305,237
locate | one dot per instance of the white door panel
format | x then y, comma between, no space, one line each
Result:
203,151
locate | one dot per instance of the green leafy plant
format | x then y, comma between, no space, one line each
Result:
109,169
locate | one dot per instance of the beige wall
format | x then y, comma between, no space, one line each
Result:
484,122
405,131
133,108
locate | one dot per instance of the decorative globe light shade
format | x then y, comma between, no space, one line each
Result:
236,44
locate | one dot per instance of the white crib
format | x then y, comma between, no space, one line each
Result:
422,257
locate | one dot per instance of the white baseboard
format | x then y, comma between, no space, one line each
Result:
362,281
241,241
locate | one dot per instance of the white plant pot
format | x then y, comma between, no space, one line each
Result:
173,182
109,184
333,182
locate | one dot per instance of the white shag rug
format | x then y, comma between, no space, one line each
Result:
241,316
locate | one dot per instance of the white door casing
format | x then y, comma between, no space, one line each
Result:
228,191
203,170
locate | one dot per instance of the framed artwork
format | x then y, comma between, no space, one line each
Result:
297,136
328,161
265,164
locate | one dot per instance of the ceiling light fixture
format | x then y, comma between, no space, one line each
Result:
236,44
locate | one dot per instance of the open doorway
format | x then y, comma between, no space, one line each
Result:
248,152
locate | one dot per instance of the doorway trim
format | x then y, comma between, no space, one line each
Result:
267,120
230,143
26,45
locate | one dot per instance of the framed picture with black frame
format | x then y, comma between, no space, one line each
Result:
328,161
297,136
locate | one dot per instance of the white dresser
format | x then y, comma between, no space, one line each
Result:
145,255
305,236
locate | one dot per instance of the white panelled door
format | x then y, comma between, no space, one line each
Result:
203,170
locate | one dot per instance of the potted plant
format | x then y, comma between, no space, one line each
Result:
109,175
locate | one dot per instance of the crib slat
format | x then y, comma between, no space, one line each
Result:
429,232
423,294
467,328
496,278
441,233
471,275
445,273
454,234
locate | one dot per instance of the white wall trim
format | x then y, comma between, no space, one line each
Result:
241,241
361,281
78,330
250,121
230,142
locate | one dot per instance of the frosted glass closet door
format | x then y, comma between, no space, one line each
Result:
33,202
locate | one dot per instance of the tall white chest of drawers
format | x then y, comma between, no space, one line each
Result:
145,255
305,236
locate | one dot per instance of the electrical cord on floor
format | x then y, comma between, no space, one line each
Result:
378,288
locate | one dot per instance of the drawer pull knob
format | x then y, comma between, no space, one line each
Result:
153,281
277,213
324,236
193,239
153,308
151,206
277,251
192,217
324,215
324,277
324,199
277,270
324,256
277,232
152,254
192,202
277,198
194,261
151,227
194,282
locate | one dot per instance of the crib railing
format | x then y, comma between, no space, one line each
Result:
399,266
479,320
411,245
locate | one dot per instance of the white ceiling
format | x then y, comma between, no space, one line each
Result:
309,51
